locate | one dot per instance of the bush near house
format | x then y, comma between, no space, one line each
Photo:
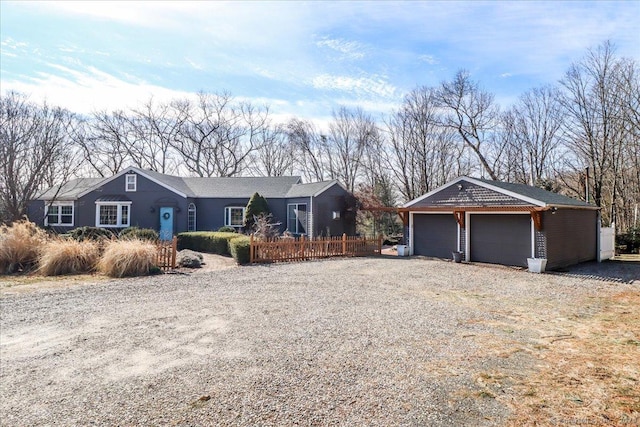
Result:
139,233
91,233
59,256
240,249
20,246
213,242
122,258
629,242
226,229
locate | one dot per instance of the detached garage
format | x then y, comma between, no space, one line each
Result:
502,223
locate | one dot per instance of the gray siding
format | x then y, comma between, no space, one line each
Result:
210,212
145,206
571,236
470,195
500,239
435,235
333,199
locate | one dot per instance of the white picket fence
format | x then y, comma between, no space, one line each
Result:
607,242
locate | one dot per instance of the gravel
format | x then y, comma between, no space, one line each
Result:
371,341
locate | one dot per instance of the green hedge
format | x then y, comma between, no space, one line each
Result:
239,248
139,233
212,242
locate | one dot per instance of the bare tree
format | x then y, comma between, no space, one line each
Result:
422,153
104,139
34,143
532,134
311,147
275,153
218,135
594,129
474,115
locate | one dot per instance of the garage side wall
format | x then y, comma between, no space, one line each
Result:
571,237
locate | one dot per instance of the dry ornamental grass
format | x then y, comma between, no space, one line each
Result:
60,256
20,244
128,258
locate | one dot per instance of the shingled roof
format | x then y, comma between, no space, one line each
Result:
488,193
200,187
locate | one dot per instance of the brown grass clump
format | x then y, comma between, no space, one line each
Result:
20,245
128,258
68,257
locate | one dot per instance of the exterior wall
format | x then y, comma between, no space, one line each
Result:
334,199
571,236
145,206
469,195
210,212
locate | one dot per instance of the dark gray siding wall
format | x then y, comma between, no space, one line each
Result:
35,212
470,195
435,235
333,199
145,206
210,212
500,239
571,236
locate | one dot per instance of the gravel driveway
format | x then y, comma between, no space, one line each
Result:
374,341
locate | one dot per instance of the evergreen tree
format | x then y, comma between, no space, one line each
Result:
257,206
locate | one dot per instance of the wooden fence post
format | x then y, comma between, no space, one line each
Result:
174,249
252,249
380,244
344,244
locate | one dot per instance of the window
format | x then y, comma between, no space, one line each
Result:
234,216
113,214
59,214
297,218
191,220
131,182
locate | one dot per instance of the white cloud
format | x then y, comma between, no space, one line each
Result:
429,59
358,85
349,49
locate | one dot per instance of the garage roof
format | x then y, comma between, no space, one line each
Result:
467,192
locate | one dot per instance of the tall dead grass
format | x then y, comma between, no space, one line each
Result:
60,256
20,245
123,258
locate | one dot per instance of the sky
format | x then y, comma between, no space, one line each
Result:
302,59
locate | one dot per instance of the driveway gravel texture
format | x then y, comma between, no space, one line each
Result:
363,341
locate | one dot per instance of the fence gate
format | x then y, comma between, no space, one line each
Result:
607,243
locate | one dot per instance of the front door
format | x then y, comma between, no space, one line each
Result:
166,223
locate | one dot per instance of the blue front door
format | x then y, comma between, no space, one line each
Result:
166,223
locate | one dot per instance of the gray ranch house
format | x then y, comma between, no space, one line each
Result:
172,204
502,223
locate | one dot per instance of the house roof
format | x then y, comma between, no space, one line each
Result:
242,187
495,193
311,189
201,187
69,190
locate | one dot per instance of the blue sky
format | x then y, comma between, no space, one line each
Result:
302,58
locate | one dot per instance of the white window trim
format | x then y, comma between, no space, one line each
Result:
59,204
134,182
192,210
119,224
227,216
306,206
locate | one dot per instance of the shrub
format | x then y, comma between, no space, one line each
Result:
128,258
60,256
629,242
139,233
212,242
257,206
20,245
91,233
226,229
240,249
188,258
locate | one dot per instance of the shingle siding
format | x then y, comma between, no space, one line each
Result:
571,236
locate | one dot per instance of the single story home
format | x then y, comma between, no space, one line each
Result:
173,204
502,223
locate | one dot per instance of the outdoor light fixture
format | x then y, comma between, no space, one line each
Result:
459,187
152,209
554,210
